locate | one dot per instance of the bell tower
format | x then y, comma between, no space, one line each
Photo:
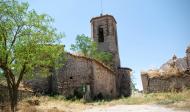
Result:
104,33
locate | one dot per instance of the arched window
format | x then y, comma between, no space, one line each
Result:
101,34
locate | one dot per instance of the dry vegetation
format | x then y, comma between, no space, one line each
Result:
51,104
60,104
171,71
179,100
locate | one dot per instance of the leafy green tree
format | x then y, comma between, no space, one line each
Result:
105,57
1,72
87,47
84,45
26,40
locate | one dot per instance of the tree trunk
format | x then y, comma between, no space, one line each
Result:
13,93
13,85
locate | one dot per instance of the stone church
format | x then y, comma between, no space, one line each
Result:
86,77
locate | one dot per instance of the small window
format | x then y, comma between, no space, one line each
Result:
71,77
101,35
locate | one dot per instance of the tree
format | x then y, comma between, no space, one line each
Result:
84,45
25,39
87,47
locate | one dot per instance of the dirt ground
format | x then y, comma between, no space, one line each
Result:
132,108
107,108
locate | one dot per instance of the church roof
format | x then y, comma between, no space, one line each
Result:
91,59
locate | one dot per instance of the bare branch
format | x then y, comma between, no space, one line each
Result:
12,60
15,35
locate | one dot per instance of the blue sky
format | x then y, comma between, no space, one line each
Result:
149,31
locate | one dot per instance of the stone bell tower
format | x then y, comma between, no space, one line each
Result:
104,33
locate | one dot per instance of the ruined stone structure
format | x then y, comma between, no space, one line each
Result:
123,81
85,77
172,76
81,74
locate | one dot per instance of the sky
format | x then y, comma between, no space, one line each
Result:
150,32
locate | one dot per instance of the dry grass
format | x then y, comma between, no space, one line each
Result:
179,100
26,107
152,73
51,104
181,105
171,71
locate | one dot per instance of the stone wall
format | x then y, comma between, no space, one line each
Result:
4,94
42,83
124,82
104,82
73,75
81,75
161,84
80,72
38,85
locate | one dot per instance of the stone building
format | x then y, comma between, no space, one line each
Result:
174,75
85,77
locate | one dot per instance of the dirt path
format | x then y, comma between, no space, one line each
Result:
132,108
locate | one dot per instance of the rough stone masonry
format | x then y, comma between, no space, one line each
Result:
85,77
174,75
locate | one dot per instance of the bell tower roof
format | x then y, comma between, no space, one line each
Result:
103,16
